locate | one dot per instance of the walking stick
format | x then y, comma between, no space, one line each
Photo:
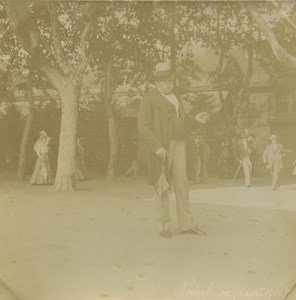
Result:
240,165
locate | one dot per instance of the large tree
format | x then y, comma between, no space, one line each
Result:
14,64
123,50
284,57
227,27
45,30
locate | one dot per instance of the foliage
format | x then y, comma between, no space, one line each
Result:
131,37
92,130
10,118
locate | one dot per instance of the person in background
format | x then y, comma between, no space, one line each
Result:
244,153
251,140
80,169
133,168
42,174
294,165
233,155
162,125
224,160
273,159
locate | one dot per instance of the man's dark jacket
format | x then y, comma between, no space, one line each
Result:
158,124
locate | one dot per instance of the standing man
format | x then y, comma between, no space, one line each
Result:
162,125
224,169
273,159
251,139
244,153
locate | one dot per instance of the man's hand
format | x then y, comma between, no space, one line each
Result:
162,153
202,117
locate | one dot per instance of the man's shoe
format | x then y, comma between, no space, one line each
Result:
193,230
165,234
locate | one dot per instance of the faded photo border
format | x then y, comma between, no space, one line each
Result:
189,287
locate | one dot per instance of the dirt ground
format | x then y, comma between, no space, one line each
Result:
101,242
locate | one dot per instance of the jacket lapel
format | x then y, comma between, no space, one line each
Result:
164,104
164,100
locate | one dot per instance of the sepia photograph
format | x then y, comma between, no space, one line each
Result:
147,150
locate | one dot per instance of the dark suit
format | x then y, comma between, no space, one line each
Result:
159,126
244,152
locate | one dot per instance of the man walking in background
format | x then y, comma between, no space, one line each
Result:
162,125
244,153
273,159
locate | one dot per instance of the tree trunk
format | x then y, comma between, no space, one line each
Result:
27,130
286,59
5,78
173,45
245,85
219,75
112,162
63,76
65,178
112,130
224,108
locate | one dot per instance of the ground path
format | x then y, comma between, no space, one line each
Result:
101,243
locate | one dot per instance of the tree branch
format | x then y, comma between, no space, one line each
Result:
286,59
221,57
52,101
59,55
250,67
246,80
21,21
30,94
93,97
29,37
83,41
222,50
54,77
83,46
219,75
5,76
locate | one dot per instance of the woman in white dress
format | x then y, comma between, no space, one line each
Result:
42,174
294,165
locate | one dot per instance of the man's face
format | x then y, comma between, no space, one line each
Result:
165,85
